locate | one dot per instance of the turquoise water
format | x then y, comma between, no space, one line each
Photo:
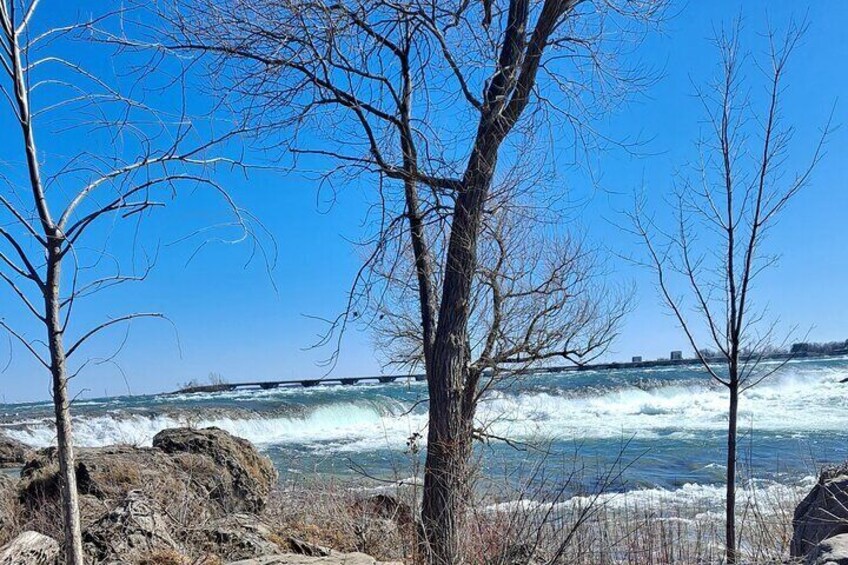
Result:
663,430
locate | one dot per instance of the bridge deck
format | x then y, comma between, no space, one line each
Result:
267,385
349,381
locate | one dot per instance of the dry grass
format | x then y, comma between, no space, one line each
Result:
330,513
163,558
10,510
613,529
633,534
175,558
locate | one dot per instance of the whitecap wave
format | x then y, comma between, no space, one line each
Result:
691,500
784,404
346,420
346,427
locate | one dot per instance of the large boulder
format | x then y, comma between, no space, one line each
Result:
30,548
832,551
192,493
823,513
245,477
12,452
129,532
192,475
104,473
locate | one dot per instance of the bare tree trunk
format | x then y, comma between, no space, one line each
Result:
451,418
61,405
448,449
730,499
446,482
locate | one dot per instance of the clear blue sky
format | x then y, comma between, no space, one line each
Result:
231,320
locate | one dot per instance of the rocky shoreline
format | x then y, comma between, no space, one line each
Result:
13,454
206,497
195,497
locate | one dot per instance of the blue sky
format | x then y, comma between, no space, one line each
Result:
229,318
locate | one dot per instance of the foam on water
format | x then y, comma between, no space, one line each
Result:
784,404
340,424
690,501
367,418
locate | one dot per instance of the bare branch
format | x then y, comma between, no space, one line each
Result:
24,342
94,331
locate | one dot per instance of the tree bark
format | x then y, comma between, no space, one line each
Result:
451,418
446,483
730,498
61,405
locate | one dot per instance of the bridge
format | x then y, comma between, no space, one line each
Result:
268,385
637,363
384,379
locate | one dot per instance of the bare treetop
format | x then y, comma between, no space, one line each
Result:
712,255
409,91
95,159
377,70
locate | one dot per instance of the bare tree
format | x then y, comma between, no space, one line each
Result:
708,263
537,296
424,96
112,160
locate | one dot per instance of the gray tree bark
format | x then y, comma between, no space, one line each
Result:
452,385
730,496
61,404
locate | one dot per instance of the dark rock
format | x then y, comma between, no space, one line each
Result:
823,513
187,495
30,548
239,536
132,530
12,452
302,547
832,551
103,473
244,478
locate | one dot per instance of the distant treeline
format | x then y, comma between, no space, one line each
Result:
801,348
829,348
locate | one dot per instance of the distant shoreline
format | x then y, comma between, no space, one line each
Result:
350,381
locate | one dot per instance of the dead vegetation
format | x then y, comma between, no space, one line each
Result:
612,529
340,515
507,525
